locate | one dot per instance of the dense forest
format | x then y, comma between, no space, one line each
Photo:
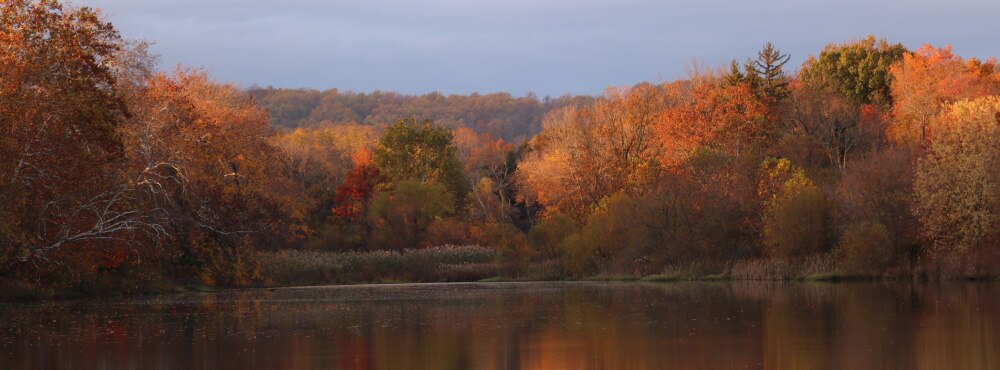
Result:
500,114
870,160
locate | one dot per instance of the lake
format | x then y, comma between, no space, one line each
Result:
573,325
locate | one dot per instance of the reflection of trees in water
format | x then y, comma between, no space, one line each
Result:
960,327
539,326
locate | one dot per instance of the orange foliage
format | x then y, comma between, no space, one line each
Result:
729,118
584,155
929,78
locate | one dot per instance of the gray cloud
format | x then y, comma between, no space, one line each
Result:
546,46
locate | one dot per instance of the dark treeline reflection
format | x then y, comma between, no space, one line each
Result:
520,326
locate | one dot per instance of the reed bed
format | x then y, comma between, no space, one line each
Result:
443,263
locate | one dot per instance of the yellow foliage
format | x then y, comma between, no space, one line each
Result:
956,183
794,210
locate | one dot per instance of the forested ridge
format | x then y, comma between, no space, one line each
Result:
868,161
501,115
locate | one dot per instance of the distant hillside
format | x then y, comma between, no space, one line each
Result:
500,114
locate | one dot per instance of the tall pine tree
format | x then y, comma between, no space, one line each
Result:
768,67
764,75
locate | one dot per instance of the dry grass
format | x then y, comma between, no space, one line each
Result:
782,269
444,263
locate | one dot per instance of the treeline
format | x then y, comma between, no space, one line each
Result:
872,160
748,171
513,119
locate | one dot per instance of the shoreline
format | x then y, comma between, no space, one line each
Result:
38,296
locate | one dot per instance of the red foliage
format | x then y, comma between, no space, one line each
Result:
352,198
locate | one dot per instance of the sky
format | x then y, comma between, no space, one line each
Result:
549,47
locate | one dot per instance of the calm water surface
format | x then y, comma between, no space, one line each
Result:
519,326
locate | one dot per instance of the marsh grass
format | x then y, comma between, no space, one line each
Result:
610,277
663,278
716,277
444,263
815,268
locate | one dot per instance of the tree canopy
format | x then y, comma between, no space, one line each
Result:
859,70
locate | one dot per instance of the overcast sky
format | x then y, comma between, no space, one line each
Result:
550,47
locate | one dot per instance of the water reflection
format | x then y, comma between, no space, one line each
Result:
520,326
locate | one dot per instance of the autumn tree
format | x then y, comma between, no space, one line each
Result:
549,174
842,127
547,235
956,183
728,118
400,217
713,209
66,203
317,161
352,197
874,200
421,151
930,78
202,155
858,70
321,156
599,245
795,211
584,155
490,163
638,234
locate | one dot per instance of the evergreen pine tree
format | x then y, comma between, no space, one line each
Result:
768,68
735,75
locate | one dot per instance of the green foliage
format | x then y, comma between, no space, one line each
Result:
401,216
735,75
858,70
421,151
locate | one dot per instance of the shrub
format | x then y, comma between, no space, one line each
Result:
866,248
401,217
795,211
446,231
504,238
551,231
601,244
